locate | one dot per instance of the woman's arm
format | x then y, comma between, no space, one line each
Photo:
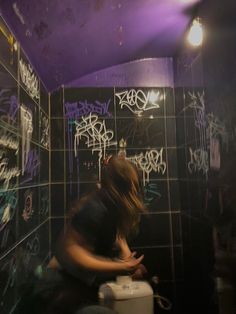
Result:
122,244
126,255
85,259
74,252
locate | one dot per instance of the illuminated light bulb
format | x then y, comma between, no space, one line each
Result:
195,35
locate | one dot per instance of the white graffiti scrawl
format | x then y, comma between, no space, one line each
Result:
26,131
137,101
199,157
29,79
216,129
6,173
32,249
150,161
198,161
96,134
44,130
198,105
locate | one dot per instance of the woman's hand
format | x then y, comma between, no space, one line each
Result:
131,264
53,263
128,257
140,272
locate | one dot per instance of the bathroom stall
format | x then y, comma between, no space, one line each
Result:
82,80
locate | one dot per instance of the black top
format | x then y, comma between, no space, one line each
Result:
96,221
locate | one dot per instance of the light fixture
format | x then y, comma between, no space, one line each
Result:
195,35
153,98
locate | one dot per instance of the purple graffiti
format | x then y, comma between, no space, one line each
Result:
82,108
32,166
44,204
8,106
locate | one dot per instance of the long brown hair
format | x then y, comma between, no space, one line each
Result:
121,184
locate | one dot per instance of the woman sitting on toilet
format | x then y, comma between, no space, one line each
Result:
99,224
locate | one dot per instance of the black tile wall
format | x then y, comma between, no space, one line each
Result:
57,226
57,133
141,132
172,163
182,162
149,132
176,228
44,99
154,230
179,101
84,168
158,262
33,108
24,181
156,196
175,203
179,266
196,109
56,104
169,102
220,79
43,166
57,166
8,292
171,131
180,127
58,199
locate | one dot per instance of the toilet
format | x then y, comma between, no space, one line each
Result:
126,296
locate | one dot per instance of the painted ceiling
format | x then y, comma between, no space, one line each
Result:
67,39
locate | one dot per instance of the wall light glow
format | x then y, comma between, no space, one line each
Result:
154,97
195,35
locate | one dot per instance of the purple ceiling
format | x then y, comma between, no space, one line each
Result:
67,39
